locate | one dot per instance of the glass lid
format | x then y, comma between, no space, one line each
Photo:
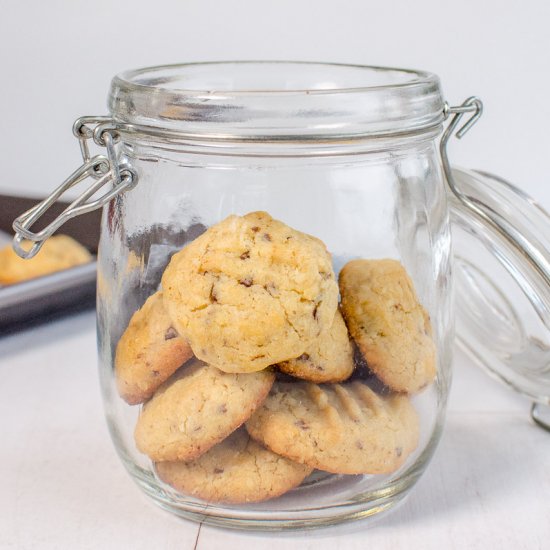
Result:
502,288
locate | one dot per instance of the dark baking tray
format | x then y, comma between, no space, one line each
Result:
44,298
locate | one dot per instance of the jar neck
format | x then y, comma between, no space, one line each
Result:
144,138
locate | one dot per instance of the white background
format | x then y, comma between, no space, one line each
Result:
57,59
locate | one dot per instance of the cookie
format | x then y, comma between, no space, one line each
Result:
236,471
328,359
196,408
57,253
388,324
339,428
251,292
149,352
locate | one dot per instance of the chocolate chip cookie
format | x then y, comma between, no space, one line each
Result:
388,323
339,428
328,359
196,408
236,471
57,253
251,292
149,352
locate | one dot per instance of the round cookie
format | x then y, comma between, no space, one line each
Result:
236,471
328,359
388,324
251,292
196,408
57,253
149,352
339,428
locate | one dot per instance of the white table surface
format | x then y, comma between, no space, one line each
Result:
62,485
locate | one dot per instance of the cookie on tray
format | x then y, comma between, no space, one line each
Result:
57,253
251,292
149,352
338,428
388,323
328,359
236,471
196,408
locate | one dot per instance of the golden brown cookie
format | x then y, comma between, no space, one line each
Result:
238,471
149,352
196,408
57,253
389,325
339,428
328,359
251,292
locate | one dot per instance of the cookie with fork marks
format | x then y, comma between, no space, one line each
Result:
338,428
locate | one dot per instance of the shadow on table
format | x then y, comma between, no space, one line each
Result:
38,331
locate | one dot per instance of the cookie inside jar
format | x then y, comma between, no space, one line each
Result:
256,366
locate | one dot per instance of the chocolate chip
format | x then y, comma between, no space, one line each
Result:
359,445
222,408
213,296
218,470
255,229
301,424
170,333
304,357
245,255
247,282
315,311
267,237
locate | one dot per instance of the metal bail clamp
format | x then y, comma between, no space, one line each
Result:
105,170
471,105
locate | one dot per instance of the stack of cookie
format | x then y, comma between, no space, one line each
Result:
252,298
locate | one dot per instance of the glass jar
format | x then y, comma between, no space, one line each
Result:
217,175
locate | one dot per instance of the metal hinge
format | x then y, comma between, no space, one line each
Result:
104,170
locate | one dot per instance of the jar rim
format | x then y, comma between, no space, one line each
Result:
276,100
130,77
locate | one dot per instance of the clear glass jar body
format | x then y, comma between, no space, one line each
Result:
373,198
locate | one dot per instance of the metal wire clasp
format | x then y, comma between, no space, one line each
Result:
105,170
471,105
